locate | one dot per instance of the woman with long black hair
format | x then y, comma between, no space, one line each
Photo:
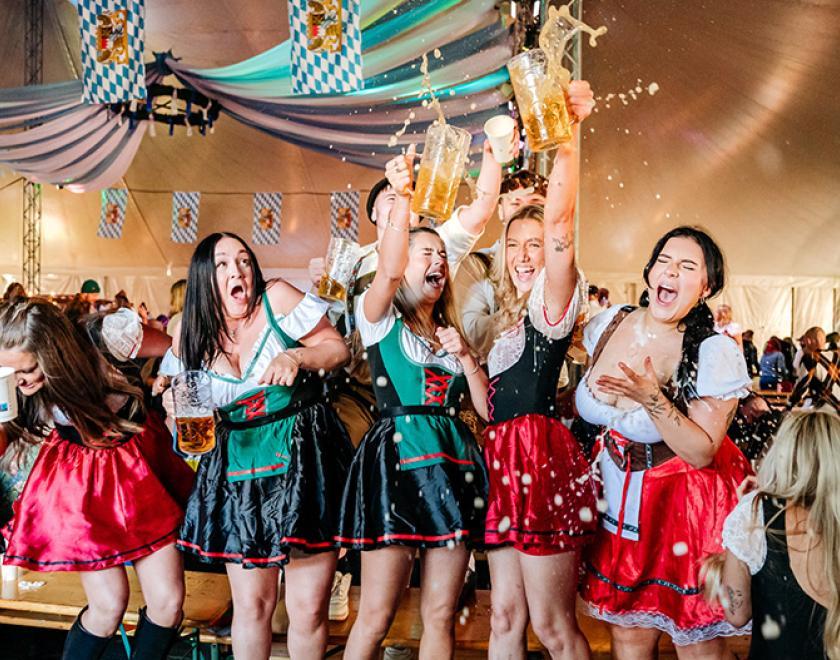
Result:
664,387
267,495
106,487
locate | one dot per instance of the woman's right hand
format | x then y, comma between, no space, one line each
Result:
400,172
748,485
160,384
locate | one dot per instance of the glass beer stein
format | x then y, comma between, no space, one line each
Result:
194,412
541,99
342,256
441,169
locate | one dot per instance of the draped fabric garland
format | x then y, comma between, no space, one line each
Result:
89,147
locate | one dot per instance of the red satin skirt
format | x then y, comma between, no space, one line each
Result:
653,582
542,493
85,509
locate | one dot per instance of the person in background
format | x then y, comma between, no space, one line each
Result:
604,298
789,351
90,292
121,300
724,324
781,566
474,292
772,369
177,293
78,307
594,305
14,292
810,344
750,353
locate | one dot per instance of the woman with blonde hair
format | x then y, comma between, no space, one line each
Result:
781,567
177,295
541,505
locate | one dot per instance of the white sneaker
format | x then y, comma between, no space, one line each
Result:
340,597
398,653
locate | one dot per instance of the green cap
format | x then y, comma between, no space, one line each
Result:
90,286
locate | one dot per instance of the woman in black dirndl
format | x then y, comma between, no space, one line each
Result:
267,495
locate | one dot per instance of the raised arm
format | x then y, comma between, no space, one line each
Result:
475,216
561,199
393,246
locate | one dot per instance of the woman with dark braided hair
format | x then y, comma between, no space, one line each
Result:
664,388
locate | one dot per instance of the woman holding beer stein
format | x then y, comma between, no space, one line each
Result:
541,506
664,387
417,479
267,494
106,487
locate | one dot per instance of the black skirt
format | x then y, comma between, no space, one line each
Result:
426,507
258,522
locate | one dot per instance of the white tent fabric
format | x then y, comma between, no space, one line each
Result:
742,138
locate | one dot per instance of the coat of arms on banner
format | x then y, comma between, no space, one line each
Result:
112,33
112,213
266,221
185,216
344,215
323,25
111,37
326,46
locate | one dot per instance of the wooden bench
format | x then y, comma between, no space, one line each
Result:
56,604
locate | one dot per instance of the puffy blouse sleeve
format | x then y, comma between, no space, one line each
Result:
595,328
122,334
743,533
538,312
721,370
170,365
304,317
373,333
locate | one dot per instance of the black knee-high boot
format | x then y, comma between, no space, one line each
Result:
151,641
82,644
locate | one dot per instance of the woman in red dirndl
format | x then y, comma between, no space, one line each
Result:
541,507
106,487
663,386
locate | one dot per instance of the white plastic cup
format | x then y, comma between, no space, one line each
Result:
499,131
8,571
8,395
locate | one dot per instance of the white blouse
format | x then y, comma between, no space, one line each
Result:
743,533
721,374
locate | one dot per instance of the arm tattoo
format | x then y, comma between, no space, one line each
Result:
561,245
659,407
736,599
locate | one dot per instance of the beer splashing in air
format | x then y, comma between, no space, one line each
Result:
559,28
432,103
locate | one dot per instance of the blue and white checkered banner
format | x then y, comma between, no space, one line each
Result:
266,223
112,212
112,50
185,216
326,46
344,215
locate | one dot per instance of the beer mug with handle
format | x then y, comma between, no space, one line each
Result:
341,258
192,394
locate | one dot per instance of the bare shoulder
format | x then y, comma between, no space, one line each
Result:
282,295
176,337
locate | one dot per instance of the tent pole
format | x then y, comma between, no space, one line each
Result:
33,75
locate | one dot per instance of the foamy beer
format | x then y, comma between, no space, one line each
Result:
541,100
341,258
441,169
8,394
194,412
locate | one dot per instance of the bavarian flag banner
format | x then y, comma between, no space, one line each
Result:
326,46
344,215
185,216
112,50
265,229
112,212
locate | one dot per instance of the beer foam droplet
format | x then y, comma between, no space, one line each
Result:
680,548
381,381
468,477
653,88
398,437
504,524
601,505
770,629
478,503
585,514
526,479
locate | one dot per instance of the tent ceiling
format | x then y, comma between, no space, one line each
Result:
742,138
